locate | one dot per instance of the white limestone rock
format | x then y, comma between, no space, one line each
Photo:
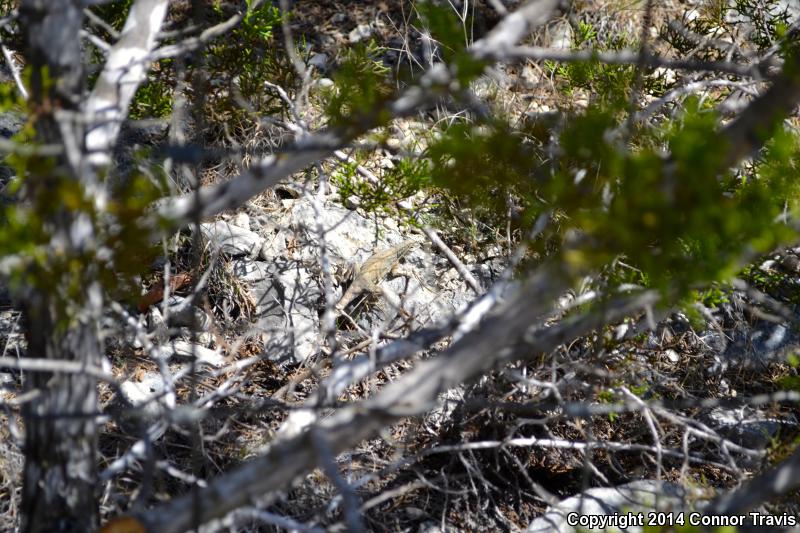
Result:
230,239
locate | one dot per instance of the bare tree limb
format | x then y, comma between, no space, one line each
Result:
765,487
195,43
14,68
268,172
757,123
125,69
501,338
56,366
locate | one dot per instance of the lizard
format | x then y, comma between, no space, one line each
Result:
372,272
366,279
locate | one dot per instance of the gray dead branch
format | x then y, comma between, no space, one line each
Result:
214,199
507,332
772,484
125,69
503,336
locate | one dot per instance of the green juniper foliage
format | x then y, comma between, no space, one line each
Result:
152,100
679,220
113,13
361,87
763,22
239,63
451,36
43,190
486,164
769,19
408,177
610,84
246,58
664,202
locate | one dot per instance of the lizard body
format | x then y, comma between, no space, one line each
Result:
372,273
367,278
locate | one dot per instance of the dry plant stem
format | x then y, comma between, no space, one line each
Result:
101,45
388,495
168,379
15,328
644,53
582,410
301,375
200,285
167,285
545,495
702,41
702,431
758,121
8,19
651,424
288,42
328,319
362,366
100,23
43,150
465,274
244,517
351,501
767,301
